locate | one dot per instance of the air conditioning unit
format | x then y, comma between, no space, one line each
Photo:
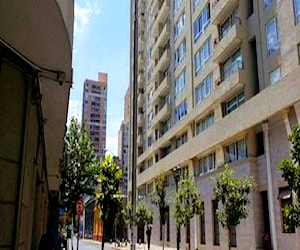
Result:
214,3
216,41
218,82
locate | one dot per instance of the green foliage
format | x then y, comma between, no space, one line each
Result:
108,181
126,212
80,166
143,214
188,201
107,189
158,198
233,194
290,169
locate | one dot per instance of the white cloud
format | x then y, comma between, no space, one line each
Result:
74,110
112,144
84,12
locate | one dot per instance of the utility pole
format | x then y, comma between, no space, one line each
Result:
134,124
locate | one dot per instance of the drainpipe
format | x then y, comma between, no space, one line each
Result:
270,186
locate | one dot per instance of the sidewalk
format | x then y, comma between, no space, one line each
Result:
138,246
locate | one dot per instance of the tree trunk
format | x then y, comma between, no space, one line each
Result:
78,230
229,238
103,235
163,236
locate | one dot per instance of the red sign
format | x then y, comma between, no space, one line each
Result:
79,207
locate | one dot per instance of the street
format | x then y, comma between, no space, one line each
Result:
89,245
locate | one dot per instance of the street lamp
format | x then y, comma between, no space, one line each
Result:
176,175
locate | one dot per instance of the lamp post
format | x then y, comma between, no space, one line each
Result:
176,175
134,124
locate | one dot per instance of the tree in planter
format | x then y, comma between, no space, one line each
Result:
79,168
158,198
290,169
188,203
143,215
233,193
108,180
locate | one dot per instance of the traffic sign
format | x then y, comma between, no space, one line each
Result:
79,207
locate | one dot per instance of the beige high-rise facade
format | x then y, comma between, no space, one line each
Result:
94,109
218,82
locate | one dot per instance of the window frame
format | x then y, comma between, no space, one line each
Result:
296,3
232,151
199,60
200,25
272,46
275,71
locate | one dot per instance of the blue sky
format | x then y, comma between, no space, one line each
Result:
101,44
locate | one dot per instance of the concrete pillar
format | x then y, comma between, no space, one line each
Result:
297,111
285,116
270,186
191,171
219,156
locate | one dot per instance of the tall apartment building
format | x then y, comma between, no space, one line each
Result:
218,82
94,107
123,142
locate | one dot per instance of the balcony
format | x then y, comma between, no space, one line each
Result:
140,99
141,4
161,17
221,9
141,21
141,79
234,82
162,62
141,56
162,115
154,7
140,119
228,43
140,140
141,40
162,89
162,39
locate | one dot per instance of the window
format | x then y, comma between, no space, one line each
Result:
272,35
203,55
202,22
204,89
202,225
275,75
179,25
150,117
260,147
235,151
205,123
232,64
233,103
285,196
206,164
216,229
179,54
180,83
231,20
267,3
150,141
181,140
297,11
181,111
177,4
196,2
